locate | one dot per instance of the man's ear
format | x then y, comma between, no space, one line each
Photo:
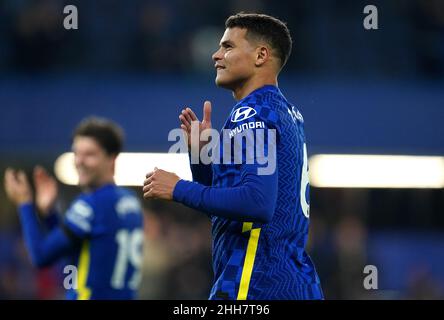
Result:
262,55
113,160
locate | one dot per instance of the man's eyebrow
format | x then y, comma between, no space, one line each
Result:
226,43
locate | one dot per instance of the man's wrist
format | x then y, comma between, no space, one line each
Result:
44,211
178,190
25,207
25,203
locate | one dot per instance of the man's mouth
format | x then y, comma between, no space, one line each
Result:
219,67
82,171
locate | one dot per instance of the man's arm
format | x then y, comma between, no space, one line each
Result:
51,220
202,173
44,249
253,200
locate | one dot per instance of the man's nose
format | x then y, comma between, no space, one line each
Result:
216,56
78,161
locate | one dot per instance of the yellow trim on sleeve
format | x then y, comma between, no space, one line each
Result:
249,259
83,292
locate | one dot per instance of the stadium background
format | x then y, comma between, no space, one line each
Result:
140,62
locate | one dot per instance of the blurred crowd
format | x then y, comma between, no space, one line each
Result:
178,36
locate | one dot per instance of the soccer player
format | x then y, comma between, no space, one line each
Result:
101,233
259,221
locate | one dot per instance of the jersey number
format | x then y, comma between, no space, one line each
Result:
129,251
304,185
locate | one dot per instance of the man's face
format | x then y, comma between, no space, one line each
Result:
92,162
235,59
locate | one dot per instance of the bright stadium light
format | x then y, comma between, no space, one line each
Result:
131,168
376,171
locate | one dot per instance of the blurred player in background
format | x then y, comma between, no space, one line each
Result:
259,222
101,233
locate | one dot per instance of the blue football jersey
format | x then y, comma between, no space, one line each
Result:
266,260
108,222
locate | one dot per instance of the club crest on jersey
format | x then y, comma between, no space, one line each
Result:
242,113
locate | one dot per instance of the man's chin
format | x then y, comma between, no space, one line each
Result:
85,184
221,83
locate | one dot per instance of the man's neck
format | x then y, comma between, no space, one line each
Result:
98,185
248,87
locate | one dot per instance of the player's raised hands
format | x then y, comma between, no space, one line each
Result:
17,186
188,116
159,184
45,190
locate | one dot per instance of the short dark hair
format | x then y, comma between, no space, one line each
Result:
267,28
108,134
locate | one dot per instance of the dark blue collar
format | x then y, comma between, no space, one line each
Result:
101,188
261,90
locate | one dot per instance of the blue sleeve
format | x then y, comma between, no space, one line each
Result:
202,173
52,219
44,249
253,200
